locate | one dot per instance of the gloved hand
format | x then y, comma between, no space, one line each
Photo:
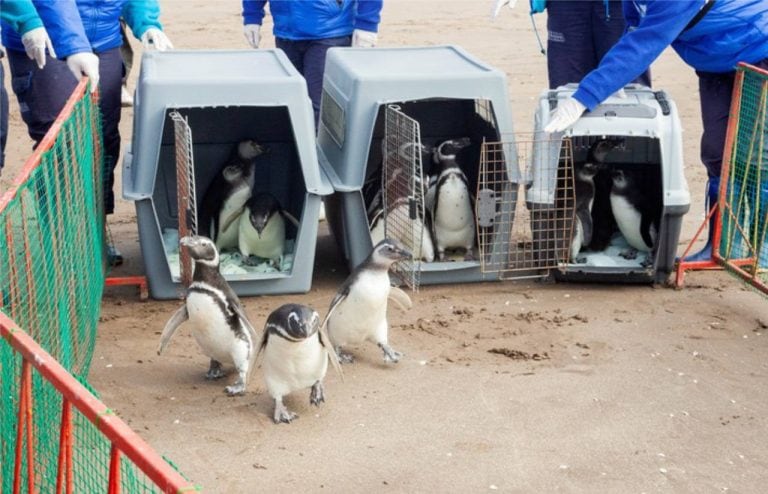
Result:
35,42
565,115
621,94
85,63
500,4
252,34
155,38
364,39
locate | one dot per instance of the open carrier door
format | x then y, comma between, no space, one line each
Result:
525,229
185,192
403,189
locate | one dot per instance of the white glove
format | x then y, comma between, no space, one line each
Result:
35,42
621,94
252,34
363,39
155,38
85,63
565,115
500,4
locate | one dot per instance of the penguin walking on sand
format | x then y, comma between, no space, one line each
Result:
262,228
637,211
296,352
217,318
358,312
453,216
225,198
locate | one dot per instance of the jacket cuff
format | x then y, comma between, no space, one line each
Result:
586,98
366,25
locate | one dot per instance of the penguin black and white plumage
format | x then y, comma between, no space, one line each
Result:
358,312
225,198
637,211
453,216
296,352
584,192
413,233
262,228
217,318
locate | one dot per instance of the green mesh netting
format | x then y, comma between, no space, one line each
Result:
744,213
51,280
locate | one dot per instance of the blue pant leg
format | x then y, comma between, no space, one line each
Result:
111,75
3,117
41,93
570,51
715,94
314,67
607,29
294,50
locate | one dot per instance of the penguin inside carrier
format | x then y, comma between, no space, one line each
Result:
422,187
246,198
616,209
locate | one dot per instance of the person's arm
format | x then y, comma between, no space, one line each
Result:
20,15
62,21
143,17
637,49
368,15
253,11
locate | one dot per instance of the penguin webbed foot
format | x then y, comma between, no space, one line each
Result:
648,261
282,414
629,254
344,357
470,255
316,395
580,260
390,355
251,261
236,389
215,371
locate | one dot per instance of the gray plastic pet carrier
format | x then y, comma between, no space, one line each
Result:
224,97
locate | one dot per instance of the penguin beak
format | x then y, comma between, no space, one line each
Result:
404,253
187,241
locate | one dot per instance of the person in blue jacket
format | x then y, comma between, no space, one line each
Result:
712,36
305,30
21,14
86,36
579,34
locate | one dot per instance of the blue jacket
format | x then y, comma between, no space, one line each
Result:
76,26
315,19
20,14
732,31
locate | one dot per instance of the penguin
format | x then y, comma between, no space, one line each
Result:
296,352
453,219
584,192
216,316
404,228
261,229
637,211
224,199
358,312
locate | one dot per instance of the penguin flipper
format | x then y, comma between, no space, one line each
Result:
326,342
645,230
178,317
234,216
400,298
238,309
340,296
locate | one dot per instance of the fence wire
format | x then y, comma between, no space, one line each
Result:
52,272
744,211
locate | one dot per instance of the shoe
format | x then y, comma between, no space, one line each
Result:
126,100
114,257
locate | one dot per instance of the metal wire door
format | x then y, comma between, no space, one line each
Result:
185,189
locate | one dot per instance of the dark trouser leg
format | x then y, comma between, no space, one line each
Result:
607,28
314,67
3,117
570,54
110,72
41,93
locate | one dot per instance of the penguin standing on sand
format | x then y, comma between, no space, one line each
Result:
262,228
296,353
584,192
358,312
453,217
224,200
637,211
216,316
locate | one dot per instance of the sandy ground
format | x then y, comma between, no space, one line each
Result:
602,388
